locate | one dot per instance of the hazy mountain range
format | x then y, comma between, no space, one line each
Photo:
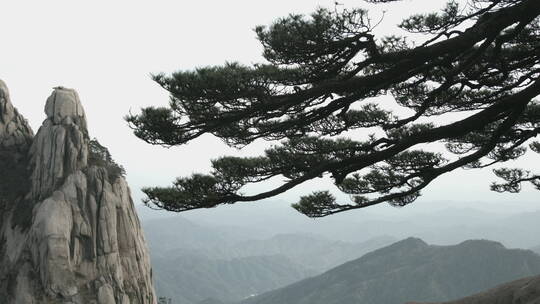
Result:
411,270
441,226
189,278
522,291
221,256
179,236
193,262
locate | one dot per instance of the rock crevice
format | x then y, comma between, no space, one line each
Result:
81,240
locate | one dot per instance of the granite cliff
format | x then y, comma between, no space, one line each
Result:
68,228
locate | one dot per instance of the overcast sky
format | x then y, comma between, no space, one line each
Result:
107,49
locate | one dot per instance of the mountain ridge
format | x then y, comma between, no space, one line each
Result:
409,266
198,252
522,291
192,278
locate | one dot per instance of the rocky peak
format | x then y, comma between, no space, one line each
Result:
14,130
15,139
60,147
81,240
64,106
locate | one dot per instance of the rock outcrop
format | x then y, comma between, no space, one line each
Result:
14,130
68,228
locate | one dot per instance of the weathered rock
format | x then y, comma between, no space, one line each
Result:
15,140
14,130
81,240
60,147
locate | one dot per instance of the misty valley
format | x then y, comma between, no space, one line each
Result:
220,258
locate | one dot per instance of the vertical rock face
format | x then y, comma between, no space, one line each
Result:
70,234
14,130
60,147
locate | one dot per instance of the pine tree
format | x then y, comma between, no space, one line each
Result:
316,96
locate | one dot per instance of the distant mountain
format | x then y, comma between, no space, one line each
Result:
190,279
455,223
410,270
523,291
313,252
210,301
177,236
536,249
194,262
176,232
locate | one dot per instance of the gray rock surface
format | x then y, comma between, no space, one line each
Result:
14,130
70,233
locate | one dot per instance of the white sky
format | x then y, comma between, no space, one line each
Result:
107,49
